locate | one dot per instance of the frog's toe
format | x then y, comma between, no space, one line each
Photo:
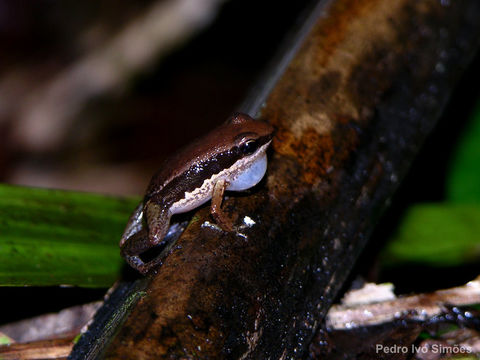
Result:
137,263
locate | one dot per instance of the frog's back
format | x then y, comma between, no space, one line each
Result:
182,163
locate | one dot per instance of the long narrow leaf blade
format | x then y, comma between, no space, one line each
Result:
463,182
53,237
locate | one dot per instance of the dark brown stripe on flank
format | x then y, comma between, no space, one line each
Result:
194,177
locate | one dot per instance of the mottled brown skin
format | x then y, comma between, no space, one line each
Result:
189,179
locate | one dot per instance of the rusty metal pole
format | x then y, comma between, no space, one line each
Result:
351,109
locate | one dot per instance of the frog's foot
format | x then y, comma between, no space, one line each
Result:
138,264
135,250
223,221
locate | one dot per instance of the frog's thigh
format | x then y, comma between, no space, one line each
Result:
134,224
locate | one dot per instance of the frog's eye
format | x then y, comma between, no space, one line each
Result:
249,147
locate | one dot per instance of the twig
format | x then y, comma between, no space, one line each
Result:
416,307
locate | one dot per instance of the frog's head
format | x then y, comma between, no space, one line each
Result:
236,147
248,135
246,158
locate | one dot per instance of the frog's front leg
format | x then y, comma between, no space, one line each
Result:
158,220
216,207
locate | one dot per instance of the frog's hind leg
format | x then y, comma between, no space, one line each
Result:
134,224
139,242
133,247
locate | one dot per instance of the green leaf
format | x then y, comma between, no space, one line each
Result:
463,180
436,234
53,237
5,340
